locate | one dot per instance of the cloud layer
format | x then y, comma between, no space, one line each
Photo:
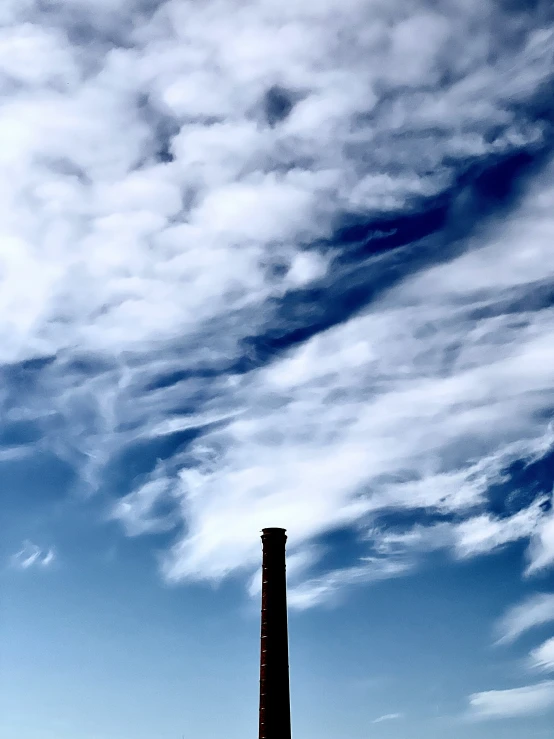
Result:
174,181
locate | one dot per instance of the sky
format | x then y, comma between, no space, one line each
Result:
268,263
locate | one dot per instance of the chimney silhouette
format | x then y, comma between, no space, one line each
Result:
274,653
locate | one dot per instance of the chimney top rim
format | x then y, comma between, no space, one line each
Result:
273,530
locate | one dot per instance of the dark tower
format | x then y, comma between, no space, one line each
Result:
274,658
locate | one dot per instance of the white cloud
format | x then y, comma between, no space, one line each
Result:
526,701
542,549
31,555
374,415
413,541
139,511
323,589
141,268
476,535
88,244
387,717
485,533
542,657
535,611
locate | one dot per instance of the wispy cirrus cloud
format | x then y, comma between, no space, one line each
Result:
486,533
535,611
542,657
173,179
499,704
542,550
31,555
387,717
325,588
477,534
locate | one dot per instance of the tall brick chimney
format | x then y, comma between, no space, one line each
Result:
274,657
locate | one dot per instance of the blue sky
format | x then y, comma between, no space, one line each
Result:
277,264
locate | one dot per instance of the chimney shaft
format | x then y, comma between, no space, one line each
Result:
274,657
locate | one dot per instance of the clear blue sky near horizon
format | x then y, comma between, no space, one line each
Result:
266,263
